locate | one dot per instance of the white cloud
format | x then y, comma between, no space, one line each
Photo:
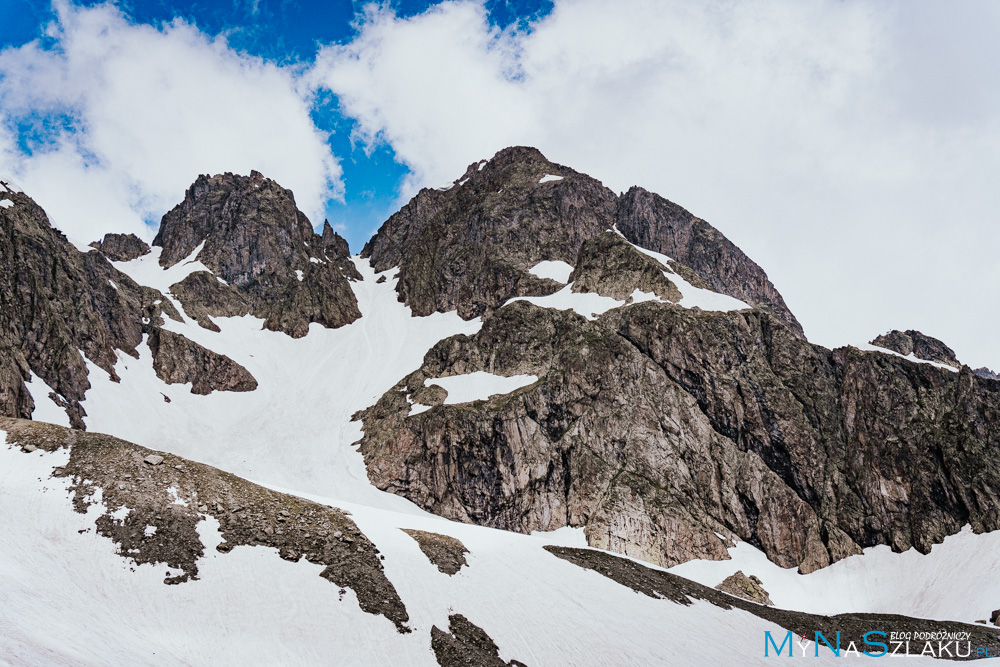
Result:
152,109
849,147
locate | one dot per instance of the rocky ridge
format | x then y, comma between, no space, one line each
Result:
469,247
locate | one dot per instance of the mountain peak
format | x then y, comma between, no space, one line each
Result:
248,231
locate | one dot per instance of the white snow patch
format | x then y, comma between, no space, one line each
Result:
479,385
221,280
6,203
315,261
868,347
691,296
175,498
588,304
481,165
553,270
462,182
299,275
111,282
149,531
2,188
46,410
121,513
417,408
146,270
548,178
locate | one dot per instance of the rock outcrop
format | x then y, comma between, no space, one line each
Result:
468,247
748,588
121,247
465,643
248,231
920,346
178,360
658,428
444,551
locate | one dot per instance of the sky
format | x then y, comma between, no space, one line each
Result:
850,147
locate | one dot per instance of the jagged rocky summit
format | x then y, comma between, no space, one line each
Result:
262,253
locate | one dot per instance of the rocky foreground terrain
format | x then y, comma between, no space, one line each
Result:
525,382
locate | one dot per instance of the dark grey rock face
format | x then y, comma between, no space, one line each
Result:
263,246
921,346
178,360
468,248
656,427
653,222
58,305
121,247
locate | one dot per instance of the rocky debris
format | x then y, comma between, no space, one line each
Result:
609,266
121,247
650,221
921,346
748,588
852,627
153,460
468,248
59,305
176,495
656,428
178,360
264,247
447,552
986,373
466,644
995,617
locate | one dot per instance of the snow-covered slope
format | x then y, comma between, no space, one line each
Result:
67,597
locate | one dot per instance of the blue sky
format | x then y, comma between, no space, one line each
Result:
285,32
850,147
